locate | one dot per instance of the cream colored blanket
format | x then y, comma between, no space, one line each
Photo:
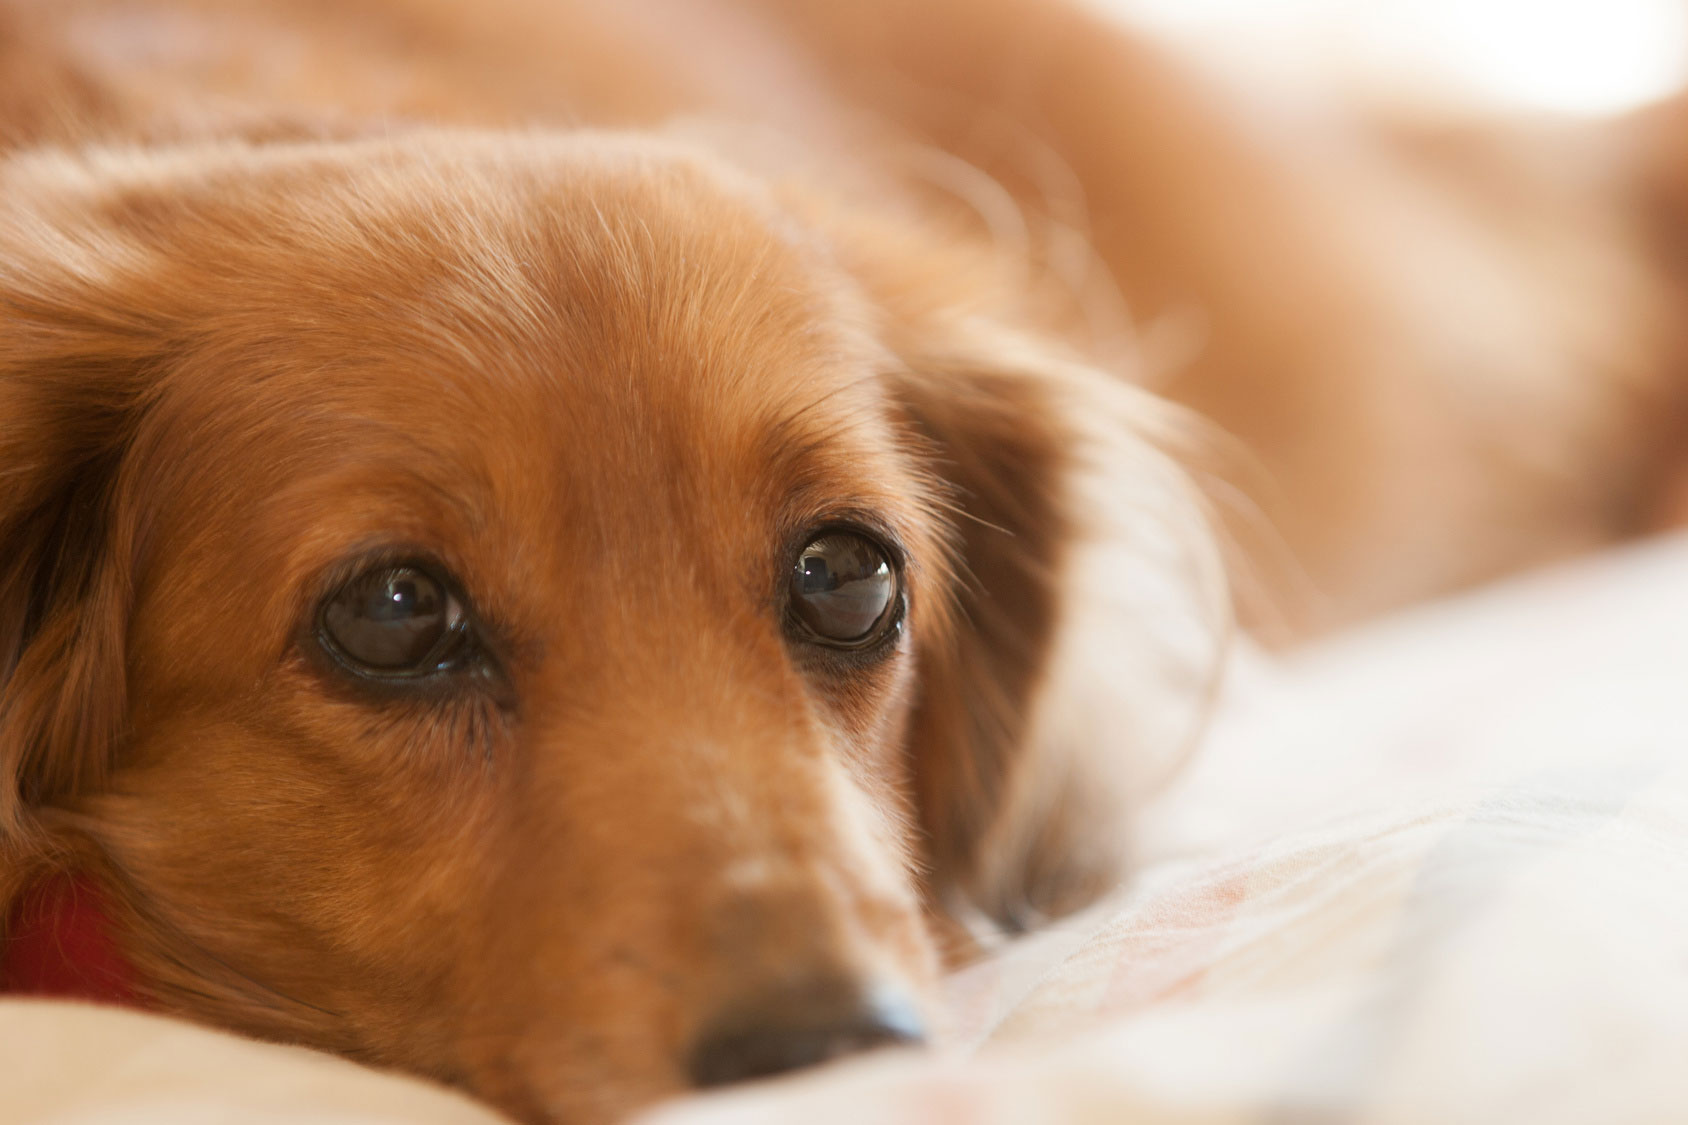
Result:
1433,871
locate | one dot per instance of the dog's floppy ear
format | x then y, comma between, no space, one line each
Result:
1049,690
70,373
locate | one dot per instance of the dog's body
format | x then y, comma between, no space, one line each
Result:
299,294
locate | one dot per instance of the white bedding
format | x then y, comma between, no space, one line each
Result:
1433,871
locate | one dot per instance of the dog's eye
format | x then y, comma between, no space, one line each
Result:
394,621
844,589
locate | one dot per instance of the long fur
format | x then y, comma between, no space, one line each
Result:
598,311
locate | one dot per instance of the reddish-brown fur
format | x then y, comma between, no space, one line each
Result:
285,283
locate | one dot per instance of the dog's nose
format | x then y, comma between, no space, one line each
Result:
802,1027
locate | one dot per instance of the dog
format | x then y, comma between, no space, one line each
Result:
583,551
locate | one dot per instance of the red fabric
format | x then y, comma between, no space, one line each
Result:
58,943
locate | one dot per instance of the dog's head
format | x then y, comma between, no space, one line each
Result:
530,611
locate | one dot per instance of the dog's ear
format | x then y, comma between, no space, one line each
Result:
71,367
1079,549
1644,155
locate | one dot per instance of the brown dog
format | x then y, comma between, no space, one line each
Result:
581,614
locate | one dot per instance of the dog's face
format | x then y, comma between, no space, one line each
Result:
495,608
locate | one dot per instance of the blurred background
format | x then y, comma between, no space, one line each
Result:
1575,56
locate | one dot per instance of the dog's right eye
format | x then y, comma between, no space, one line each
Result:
394,621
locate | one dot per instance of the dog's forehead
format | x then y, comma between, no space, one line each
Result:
502,264
512,342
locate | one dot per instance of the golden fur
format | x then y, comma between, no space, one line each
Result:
602,308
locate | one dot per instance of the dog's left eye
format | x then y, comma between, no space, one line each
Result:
844,590
394,621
